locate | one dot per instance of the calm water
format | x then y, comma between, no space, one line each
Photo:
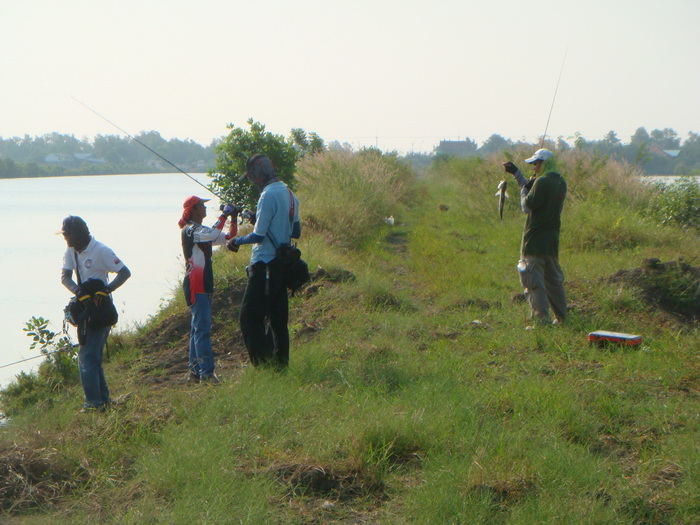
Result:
135,215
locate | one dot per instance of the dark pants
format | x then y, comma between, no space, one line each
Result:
265,298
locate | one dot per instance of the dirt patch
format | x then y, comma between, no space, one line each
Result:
35,478
505,492
166,344
673,287
325,482
651,511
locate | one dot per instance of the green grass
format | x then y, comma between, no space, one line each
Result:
418,397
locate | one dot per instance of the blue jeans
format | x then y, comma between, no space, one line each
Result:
201,353
92,375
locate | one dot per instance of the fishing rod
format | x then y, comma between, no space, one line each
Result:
554,98
27,359
149,149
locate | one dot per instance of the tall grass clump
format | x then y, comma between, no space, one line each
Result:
591,176
346,195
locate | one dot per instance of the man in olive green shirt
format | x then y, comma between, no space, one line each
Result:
542,199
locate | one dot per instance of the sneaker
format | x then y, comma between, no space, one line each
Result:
88,408
192,377
211,380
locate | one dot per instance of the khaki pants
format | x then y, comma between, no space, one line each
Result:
543,283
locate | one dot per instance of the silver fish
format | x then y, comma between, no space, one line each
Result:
502,196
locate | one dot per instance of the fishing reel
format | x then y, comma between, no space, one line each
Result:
236,209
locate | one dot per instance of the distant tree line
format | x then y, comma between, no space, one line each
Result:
659,152
60,154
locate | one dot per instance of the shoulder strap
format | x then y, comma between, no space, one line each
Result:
291,205
77,265
291,218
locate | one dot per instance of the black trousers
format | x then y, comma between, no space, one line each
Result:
264,316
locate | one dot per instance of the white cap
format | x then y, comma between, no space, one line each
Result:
540,154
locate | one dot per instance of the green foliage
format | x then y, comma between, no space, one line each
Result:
307,143
61,354
235,149
59,369
105,154
679,203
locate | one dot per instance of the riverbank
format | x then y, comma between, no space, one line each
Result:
414,394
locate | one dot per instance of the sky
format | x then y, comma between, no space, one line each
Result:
399,75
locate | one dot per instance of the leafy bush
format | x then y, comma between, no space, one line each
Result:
59,370
347,195
234,151
679,203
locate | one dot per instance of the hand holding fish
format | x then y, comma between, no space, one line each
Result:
502,196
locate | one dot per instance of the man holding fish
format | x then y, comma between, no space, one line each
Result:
542,199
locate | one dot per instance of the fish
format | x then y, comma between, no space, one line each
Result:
502,196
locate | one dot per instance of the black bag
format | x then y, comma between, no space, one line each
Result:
75,311
101,311
93,304
295,272
294,269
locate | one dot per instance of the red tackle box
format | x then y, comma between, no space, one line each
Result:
601,337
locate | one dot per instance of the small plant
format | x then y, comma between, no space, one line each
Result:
61,354
60,369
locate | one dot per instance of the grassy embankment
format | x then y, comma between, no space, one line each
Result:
414,392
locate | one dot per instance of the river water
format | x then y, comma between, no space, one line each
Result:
135,215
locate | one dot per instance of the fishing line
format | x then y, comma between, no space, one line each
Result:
28,359
554,98
145,146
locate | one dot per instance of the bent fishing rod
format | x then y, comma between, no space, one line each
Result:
149,149
544,135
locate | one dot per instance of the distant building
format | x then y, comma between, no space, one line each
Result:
669,153
76,158
456,148
88,157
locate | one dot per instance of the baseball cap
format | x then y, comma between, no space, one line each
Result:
192,201
73,224
248,165
540,154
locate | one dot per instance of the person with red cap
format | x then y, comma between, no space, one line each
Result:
198,285
542,199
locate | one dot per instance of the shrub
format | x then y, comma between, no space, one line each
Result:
679,203
233,152
60,369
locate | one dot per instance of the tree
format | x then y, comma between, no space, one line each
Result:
562,145
665,138
640,137
494,144
306,143
579,141
233,152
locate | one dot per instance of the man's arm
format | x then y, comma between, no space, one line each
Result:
68,282
122,276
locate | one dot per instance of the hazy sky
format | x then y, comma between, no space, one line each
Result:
398,74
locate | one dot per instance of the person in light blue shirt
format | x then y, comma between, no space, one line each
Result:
276,223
